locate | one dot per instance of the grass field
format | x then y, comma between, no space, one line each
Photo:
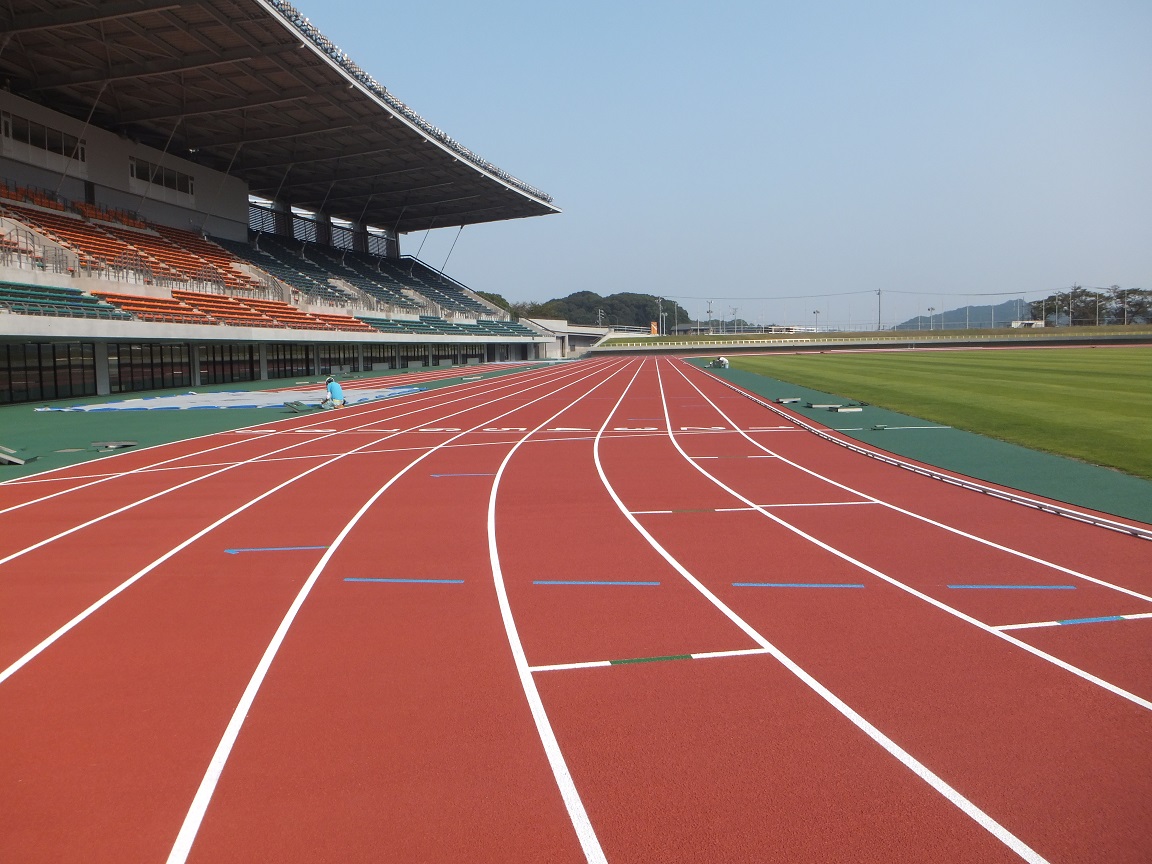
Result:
1088,403
1049,334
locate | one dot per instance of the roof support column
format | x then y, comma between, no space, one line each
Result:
100,357
324,229
282,213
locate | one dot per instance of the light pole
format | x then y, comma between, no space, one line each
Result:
931,309
816,312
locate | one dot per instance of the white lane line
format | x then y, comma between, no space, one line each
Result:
755,456
1067,621
577,814
1014,496
600,664
922,771
754,507
957,531
555,667
987,628
743,652
203,797
816,504
51,476
97,519
47,642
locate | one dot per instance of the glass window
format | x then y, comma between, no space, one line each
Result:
55,141
19,130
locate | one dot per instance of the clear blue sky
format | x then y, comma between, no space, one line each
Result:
745,152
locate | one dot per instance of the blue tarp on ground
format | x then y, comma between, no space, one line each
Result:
235,399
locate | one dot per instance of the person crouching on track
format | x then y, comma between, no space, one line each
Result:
335,397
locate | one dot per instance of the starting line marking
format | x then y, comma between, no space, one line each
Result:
1067,621
274,549
580,582
757,508
692,510
757,456
406,581
596,664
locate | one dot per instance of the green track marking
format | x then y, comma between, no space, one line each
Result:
651,659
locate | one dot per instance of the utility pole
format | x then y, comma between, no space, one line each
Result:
878,325
709,316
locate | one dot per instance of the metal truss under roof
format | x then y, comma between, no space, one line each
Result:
251,88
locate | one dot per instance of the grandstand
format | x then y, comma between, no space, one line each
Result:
216,179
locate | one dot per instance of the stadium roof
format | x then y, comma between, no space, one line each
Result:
252,88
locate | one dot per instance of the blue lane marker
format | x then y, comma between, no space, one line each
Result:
577,582
1093,620
795,585
414,581
1020,587
274,549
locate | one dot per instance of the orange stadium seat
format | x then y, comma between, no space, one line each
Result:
155,308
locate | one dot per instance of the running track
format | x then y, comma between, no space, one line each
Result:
386,634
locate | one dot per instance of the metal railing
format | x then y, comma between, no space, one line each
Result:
937,474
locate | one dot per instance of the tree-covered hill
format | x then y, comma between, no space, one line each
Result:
588,307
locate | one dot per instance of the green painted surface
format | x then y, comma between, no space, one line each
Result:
1091,404
651,659
974,455
42,434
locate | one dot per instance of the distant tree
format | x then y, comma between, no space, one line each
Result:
495,299
1078,306
535,310
623,309
1129,305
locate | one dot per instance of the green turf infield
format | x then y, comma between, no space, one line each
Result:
1093,404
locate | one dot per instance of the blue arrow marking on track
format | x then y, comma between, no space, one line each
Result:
1019,587
1092,620
273,549
795,585
580,582
417,581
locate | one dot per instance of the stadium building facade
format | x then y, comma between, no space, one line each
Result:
212,192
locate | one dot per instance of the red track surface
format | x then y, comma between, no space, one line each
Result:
163,698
